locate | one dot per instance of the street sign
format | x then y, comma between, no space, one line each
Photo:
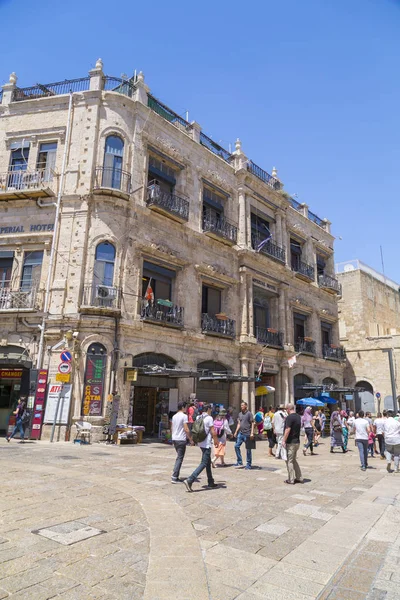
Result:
64,367
63,377
66,356
378,395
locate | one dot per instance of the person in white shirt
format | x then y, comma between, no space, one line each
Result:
205,446
180,435
362,430
391,432
278,424
379,424
351,421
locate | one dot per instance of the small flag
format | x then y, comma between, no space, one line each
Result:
260,369
263,243
292,361
149,295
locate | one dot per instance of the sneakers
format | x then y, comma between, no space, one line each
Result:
188,485
238,466
363,468
176,480
8,439
248,468
389,467
212,486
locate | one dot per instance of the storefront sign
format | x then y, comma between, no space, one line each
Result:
37,419
93,388
58,392
63,377
131,375
33,228
10,373
264,284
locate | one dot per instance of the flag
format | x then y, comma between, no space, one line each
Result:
292,361
261,245
260,369
149,295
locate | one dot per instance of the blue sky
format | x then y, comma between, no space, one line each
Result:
310,86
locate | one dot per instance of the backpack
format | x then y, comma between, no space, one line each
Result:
198,430
259,417
219,427
267,423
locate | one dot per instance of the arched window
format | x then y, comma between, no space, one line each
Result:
364,397
104,264
93,388
298,381
112,167
152,359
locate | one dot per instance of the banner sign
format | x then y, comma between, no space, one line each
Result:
93,388
10,373
38,406
57,392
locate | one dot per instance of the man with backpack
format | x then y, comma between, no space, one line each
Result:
19,413
203,434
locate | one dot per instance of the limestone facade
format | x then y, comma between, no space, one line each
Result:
369,324
176,212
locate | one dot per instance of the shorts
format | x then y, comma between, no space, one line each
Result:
220,451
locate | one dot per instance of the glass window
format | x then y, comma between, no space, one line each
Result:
6,263
104,264
159,279
47,159
326,334
112,167
299,322
19,159
31,269
321,264
260,229
211,301
295,253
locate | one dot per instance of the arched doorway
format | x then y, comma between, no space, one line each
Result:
216,392
15,365
299,380
153,397
329,381
364,397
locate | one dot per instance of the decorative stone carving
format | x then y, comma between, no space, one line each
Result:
167,144
217,178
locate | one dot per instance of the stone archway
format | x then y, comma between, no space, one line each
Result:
299,380
364,397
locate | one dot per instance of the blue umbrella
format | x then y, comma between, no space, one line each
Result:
327,399
309,402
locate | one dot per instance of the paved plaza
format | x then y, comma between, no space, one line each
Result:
104,522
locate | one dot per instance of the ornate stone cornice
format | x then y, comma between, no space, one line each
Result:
301,305
217,273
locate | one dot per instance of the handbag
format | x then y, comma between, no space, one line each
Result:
250,444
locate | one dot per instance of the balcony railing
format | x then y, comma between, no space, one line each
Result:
170,203
271,181
334,353
162,312
27,184
120,86
22,299
51,89
218,326
305,346
303,269
219,226
269,248
214,147
329,283
96,295
110,178
269,337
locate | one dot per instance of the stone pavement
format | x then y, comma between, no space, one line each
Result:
104,522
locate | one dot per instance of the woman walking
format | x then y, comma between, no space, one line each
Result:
336,432
222,430
307,421
317,425
345,429
268,428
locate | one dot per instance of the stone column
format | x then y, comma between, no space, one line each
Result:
278,229
141,89
243,306
284,237
313,329
291,385
252,393
278,390
285,388
250,324
9,88
242,227
97,76
244,370
195,129
282,313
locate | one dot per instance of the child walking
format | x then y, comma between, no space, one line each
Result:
222,430
371,441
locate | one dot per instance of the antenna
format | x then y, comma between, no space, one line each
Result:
383,264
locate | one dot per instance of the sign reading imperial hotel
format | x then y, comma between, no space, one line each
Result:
131,234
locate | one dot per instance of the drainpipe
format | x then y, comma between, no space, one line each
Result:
41,204
55,237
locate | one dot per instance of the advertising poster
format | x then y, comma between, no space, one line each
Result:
38,405
58,391
94,386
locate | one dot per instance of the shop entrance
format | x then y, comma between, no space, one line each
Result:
213,392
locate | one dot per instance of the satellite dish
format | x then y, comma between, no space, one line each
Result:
349,267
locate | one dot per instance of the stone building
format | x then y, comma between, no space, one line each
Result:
369,324
168,254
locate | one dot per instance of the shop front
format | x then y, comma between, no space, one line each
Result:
14,381
212,391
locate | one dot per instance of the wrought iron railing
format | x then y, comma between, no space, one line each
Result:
214,147
328,282
304,345
165,112
26,180
269,248
217,325
52,89
112,178
169,202
269,337
220,226
118,85
315,219
303,268
97,295
162,311
334,352
23,298
273,183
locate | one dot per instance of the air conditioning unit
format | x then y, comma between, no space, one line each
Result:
104,292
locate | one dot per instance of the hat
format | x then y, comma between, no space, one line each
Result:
222,412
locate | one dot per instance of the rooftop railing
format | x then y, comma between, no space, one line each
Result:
272,182
214,147
165,112
121,86
52,89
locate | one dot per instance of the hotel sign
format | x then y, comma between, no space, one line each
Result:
41,228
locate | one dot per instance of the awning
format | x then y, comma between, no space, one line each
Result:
158,371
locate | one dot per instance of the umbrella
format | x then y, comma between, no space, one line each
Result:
263,390
327,399
309,402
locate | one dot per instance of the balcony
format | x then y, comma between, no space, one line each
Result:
22,300
303,270
112,182
330,284
169,205
98,298
218,325
162,312
20,184
269,337
334,352
305,346
219,228
269,248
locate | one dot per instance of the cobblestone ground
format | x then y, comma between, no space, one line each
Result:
104,522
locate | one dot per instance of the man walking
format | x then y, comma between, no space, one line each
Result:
278,423
391,432
291,442
244,432
19,413
205,446
362,430
180,435
379,425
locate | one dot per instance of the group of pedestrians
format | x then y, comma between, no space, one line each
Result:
386,429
